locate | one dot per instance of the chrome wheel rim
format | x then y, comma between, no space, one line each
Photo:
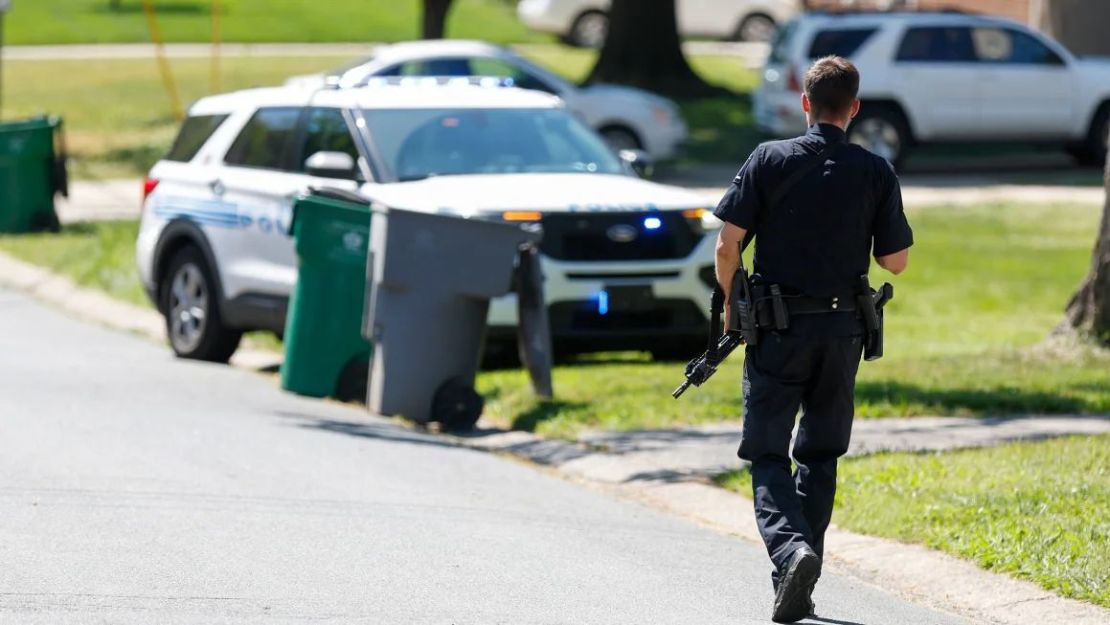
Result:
878,136
757,28
188,308
590,30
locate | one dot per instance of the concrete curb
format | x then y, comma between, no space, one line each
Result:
921,575
924,576
92,305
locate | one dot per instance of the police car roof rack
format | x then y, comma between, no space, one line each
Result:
489,82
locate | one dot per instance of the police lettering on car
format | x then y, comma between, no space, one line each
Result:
818,209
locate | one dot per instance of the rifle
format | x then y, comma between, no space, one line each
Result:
743,330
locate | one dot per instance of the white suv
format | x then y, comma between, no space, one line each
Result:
627,263
585,22
943,77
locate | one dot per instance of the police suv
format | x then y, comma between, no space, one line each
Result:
627,262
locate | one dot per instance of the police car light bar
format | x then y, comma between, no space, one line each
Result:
491,82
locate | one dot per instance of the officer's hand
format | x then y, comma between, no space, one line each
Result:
727,320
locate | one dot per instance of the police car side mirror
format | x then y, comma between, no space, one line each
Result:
638,162
331,165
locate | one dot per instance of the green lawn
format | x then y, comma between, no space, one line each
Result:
100,255
985,286
1038,511
118,117
93,21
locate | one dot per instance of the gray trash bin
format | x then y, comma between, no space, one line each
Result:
431,278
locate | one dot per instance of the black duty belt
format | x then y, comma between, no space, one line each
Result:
803,305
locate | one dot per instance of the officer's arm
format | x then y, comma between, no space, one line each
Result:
894,263
728,255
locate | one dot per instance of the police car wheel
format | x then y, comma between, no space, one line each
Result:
677,351
589,30
189,304
882,132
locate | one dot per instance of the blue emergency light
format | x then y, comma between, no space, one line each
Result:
652,223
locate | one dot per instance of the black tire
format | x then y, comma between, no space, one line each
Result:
588,30
621,138
1092,151
677,351
756,27
883,131
457,406
186,288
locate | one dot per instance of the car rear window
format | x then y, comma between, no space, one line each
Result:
264,141
839,42
193,135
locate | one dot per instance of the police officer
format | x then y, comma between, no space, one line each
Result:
818,208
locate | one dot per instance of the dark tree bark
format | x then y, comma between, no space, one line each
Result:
1088,311
642,49
434,23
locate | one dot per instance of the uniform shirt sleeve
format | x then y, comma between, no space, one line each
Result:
743,201
891,230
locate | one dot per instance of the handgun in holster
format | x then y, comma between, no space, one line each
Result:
870,303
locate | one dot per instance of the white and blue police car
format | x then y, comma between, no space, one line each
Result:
627,262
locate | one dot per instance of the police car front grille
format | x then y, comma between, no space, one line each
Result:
618,236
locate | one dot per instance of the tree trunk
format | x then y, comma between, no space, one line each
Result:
1088,311
435,18
642,49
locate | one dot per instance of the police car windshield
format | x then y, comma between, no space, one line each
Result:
417,143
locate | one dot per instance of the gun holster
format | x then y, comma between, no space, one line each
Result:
870,304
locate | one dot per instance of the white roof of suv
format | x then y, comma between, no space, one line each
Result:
405,93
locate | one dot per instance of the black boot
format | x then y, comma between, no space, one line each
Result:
792,600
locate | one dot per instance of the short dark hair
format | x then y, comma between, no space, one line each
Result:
832,84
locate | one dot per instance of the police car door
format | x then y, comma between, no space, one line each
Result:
259,180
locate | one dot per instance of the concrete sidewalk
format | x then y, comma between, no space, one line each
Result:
100,200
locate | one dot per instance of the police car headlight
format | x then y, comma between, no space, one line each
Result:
701,220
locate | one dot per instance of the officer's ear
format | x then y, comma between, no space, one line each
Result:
855,109
805,103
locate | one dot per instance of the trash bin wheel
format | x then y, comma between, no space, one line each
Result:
457,406
353,380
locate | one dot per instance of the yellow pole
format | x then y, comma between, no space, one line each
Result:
163,64
216,46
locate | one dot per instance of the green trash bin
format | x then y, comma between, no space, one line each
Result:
325,352
32,170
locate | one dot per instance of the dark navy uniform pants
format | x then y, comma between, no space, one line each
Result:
812,367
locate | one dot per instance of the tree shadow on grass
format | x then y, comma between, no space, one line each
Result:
994,401
544,411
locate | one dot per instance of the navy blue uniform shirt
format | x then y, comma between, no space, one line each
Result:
820,237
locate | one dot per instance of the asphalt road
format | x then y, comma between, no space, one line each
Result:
139,489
